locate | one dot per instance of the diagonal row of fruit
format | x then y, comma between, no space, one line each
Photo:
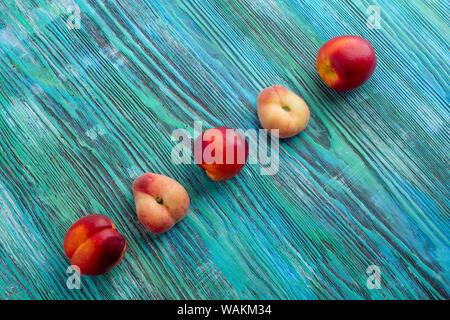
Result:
94,245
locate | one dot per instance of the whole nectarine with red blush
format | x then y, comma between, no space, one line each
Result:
346,62
94,245
221,152
279,108
160,201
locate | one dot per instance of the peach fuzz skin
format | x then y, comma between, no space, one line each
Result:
160,201
214,143
346,62
94,245
279,108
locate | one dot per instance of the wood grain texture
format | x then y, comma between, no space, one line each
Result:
84,111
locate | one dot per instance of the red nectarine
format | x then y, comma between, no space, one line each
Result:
221,152
94,245
346,62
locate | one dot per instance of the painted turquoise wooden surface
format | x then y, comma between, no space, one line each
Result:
84,111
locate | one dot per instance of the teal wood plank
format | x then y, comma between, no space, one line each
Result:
84,111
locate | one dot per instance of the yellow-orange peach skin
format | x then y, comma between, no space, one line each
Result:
160,201
94,245
279,108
